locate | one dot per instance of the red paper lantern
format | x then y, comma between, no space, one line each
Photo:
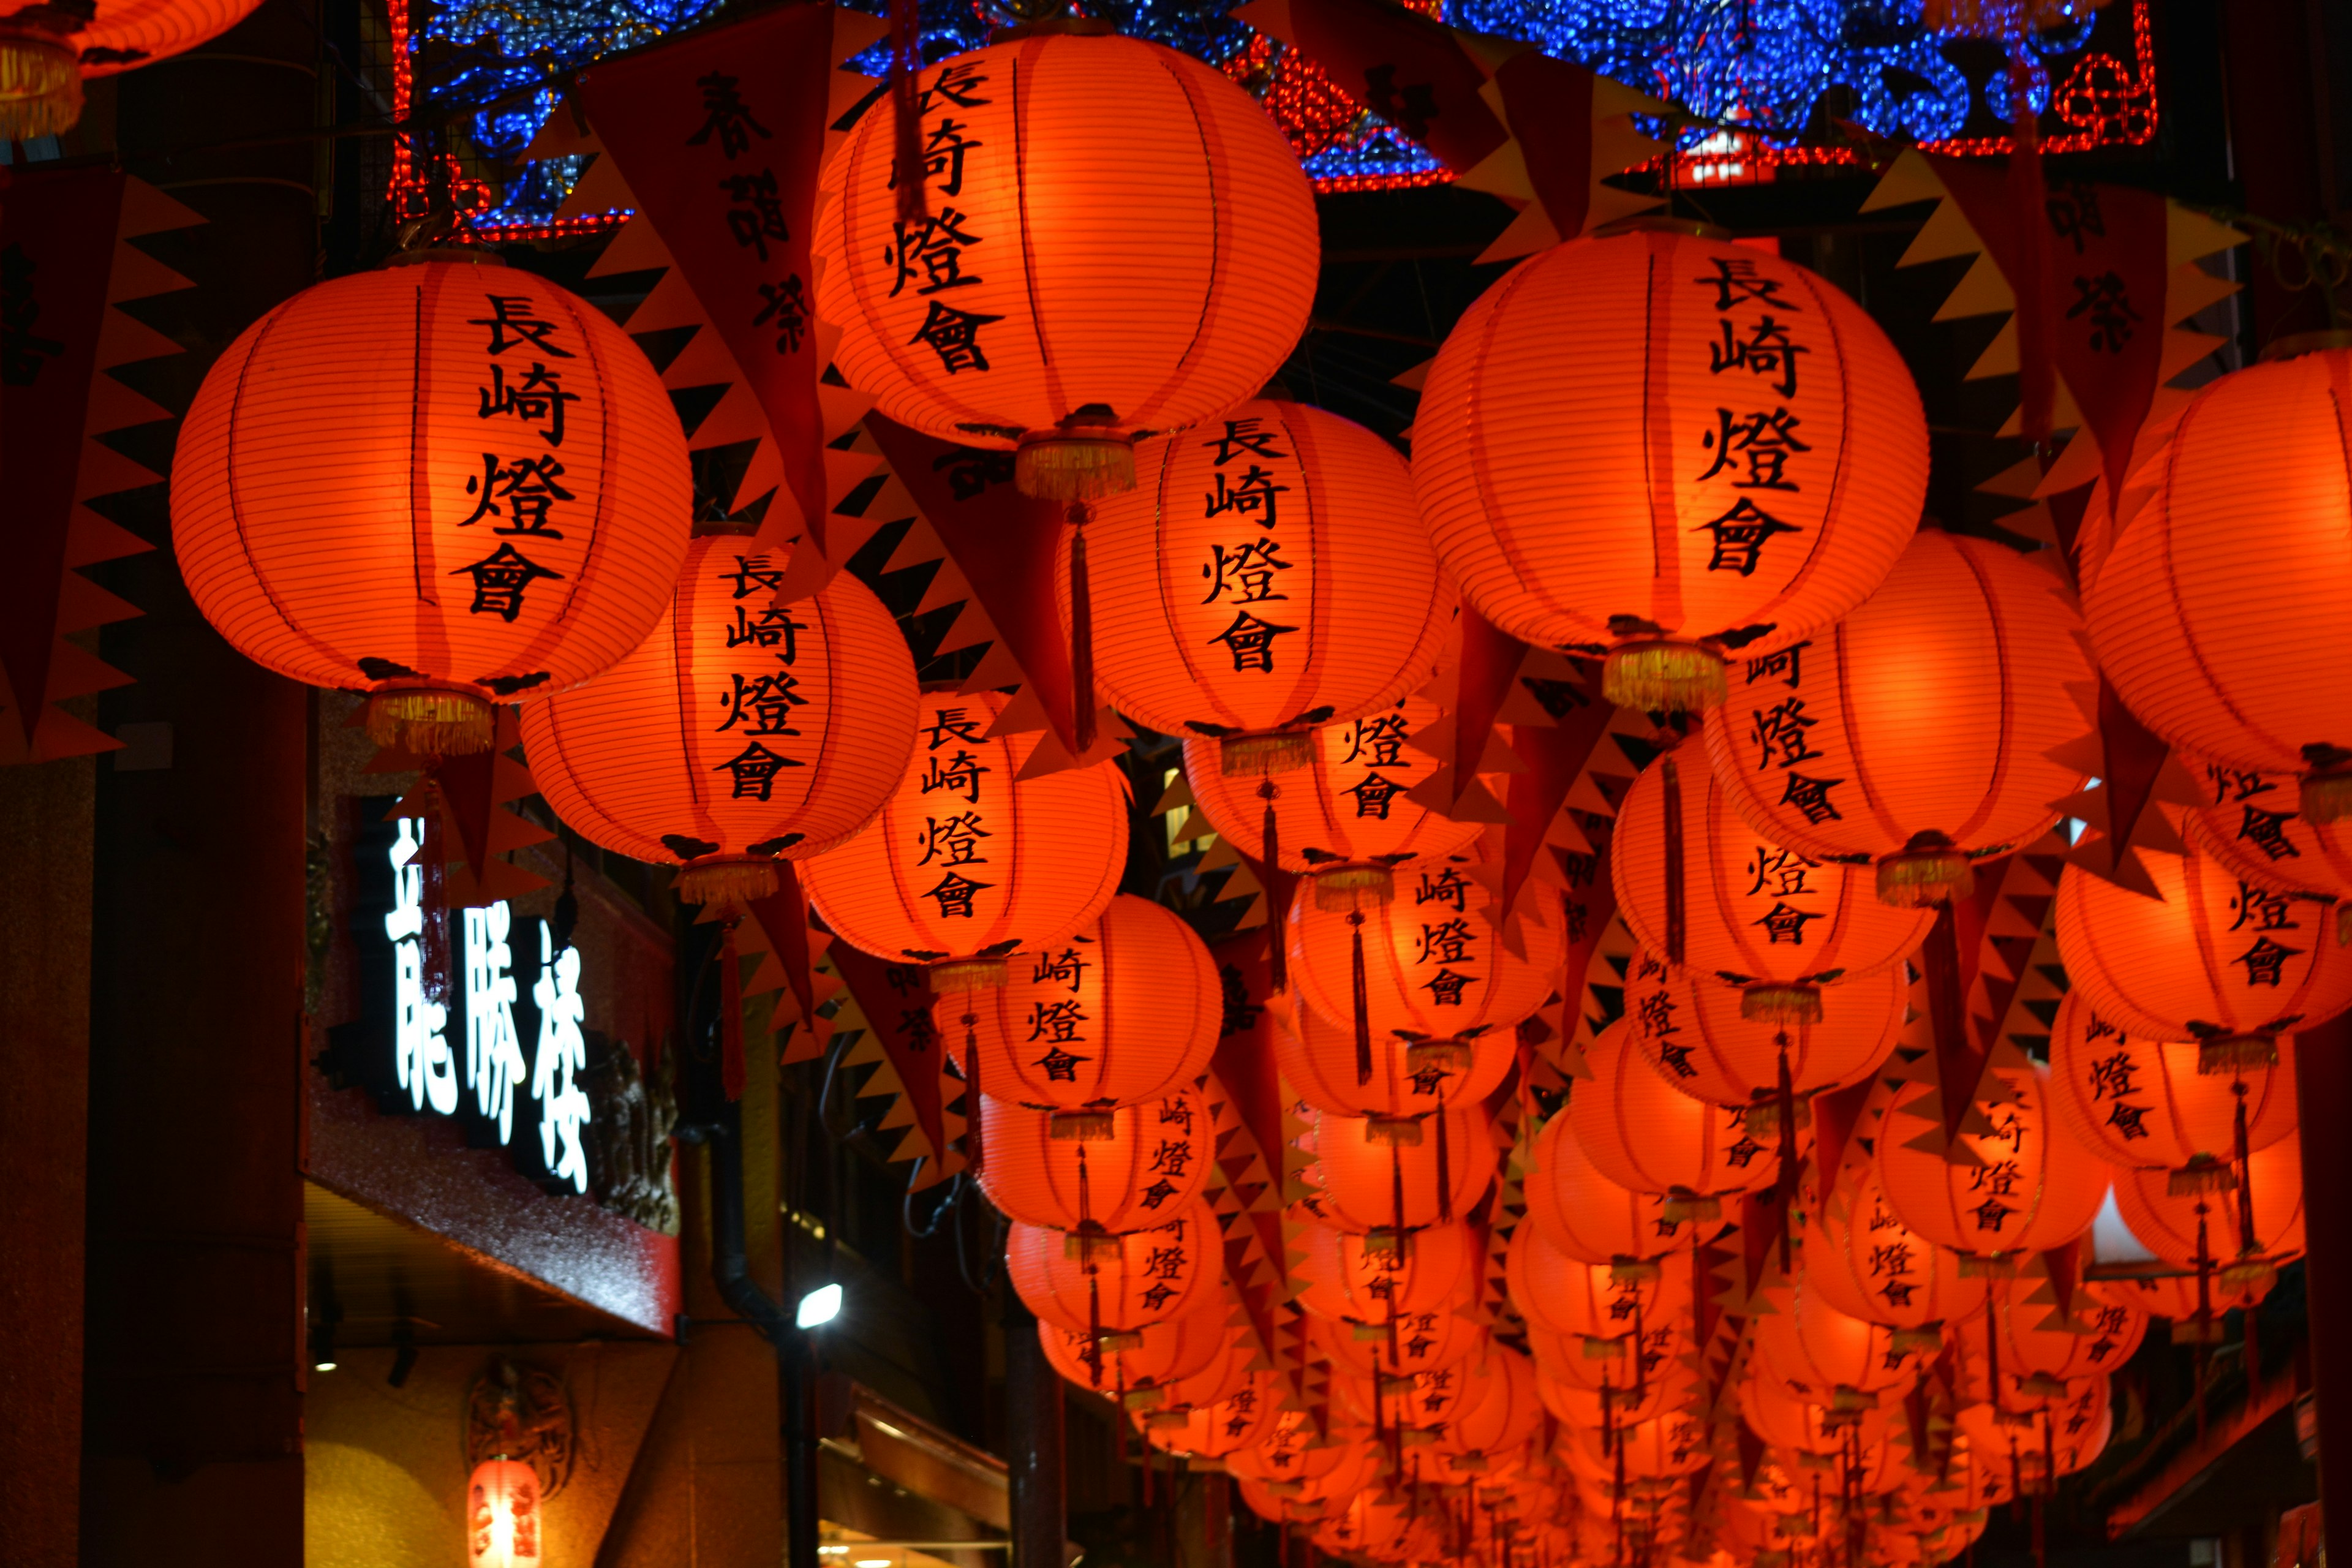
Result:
1566,1296
1318,1059
2046,1351
1690,1029
1382,1176
1059,297
1622,496
1268,573
1140,1163
1767,918
1436,960
1646,1134
350,530
739,731
1824,1357
1346,1277
1863,1261
1335,1468
47,52
1658,1449
1409,1343
1117,1285
2023,1186
2256,1220
2215,959
1507,1413
1212,1431
2217,613
2252,823
1292,1450
1126,1011
1632,1402
1144,1360
1345,806
2061,1437
1587,1215
2174,1296
1916,732
2137,1102
1797,1426
505,1526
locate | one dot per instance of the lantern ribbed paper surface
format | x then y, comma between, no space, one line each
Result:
1835,1360
1269,571
1565,1295
1586,1215
1506,1412
737,722
1340,1276
962,860
1797,1426
2215,955
1151,1166
1348,806
2041,1343
2252,823
2075,1431
1646,1134
1144,1276
1928,709
1423,1341
2137,1102
1674,1443
1318,1059
2166,1222
1755,911
1239,1420
1162,1353
1057,272
1374,1181
1127,1010
506,1523
1689,1028
2219,614
1660,436
1435,963
447,476
1865,1261
2024,1185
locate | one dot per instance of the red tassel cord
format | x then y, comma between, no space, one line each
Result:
1277,891
434,940
732,1071
1677,897
1082,630
971,1150
1445,1175
906,103
1786,1193
1361,998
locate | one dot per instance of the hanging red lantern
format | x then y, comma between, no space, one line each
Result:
1266,575
1798,1427
2174,1297
2240,548
2046,1350
1335,1468
1136,1366
2254,1218
1213,1431
2137,1102
1587,1215
1824,1357
1660,1449
352,534
2252,822
2057,1439
739,732
1401,1346
1915,733
1691,1029
1505,1416
1865,1261
1672,530
505,1527
1008,307
1644,1133
47,52
1347,1278
968,861
2214,959
1382,1176
1318,1059
1608,1305
1125,1010
1292,1450
1346,806
1138,1165
2022,1186
1428,961
1635,1401
1706,892
1117,1285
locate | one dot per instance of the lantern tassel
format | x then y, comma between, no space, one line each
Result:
2247,1241
1362,1001
1082,631
2204,1314
972,1151
731,1012
40,84
1678,906
906,153
1788,1167
435,956
1444,1176
1277,890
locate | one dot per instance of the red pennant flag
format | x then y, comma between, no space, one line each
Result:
896,1001
719,136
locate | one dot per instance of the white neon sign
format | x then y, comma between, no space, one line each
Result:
424,1061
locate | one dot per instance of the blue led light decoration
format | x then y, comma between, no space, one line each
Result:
1777,69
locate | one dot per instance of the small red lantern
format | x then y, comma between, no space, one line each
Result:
2139,1103
1383,1175
2252,823
1692,1030
1318,1059
2023,1186
504,1528
2242,1230
1149,1358
1114,1171
1825,1357
1393,1348
1239,1421
1117,1285
1865,1261
1346,1277
1646,1134
1587,1215
1591,1301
